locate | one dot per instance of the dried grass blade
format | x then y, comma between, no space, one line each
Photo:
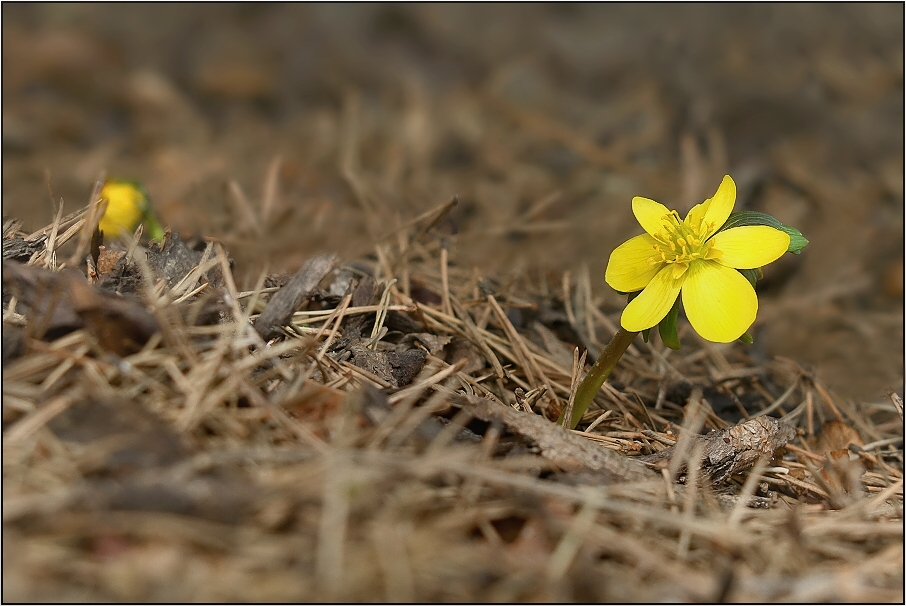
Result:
244,207
472,332
578,365
695,416
424,384
51,244
517,344
36,420
748,489
269,195
96,208
381,314
338,313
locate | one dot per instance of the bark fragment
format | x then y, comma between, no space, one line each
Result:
733,449
287,300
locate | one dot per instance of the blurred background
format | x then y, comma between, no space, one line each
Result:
545,120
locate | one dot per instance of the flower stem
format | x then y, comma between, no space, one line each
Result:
599,372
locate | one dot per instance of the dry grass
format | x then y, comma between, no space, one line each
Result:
211,465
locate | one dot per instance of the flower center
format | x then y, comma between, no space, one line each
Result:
680,244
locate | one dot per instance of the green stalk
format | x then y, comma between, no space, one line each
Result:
595,378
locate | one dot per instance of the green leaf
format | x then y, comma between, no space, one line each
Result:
667,327
753,217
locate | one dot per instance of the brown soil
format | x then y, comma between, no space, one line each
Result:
350,122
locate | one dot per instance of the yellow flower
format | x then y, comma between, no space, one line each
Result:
127,206
688,256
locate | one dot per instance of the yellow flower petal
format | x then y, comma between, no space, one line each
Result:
719,302
125,208
628,269
649,214
750,246
719,207
650,307
695,215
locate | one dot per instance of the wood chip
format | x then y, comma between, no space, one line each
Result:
287,300
559,446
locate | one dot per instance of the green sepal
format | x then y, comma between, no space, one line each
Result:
752,275
645,334
667,327
155,230
747,338
753,217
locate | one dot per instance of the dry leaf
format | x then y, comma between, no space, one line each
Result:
63,302
836,435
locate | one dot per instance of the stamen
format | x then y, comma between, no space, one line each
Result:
680,243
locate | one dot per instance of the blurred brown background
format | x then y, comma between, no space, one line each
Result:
544,119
